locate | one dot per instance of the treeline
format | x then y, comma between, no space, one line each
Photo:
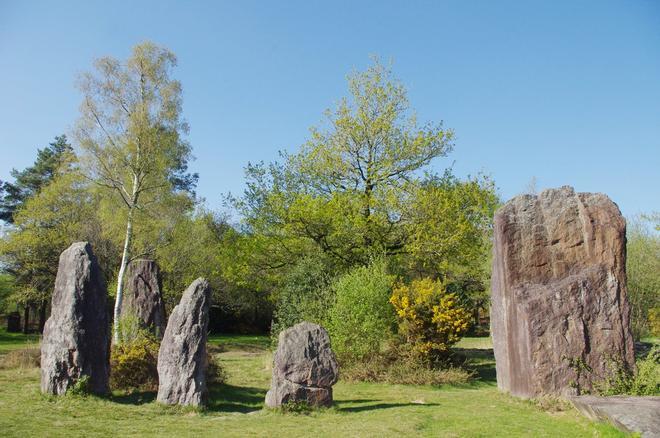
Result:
358,203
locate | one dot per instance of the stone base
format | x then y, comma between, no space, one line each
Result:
283,391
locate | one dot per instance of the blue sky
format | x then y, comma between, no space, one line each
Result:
564,91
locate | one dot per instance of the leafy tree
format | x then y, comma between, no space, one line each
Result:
643,271
6,287
192,251
341,193
30,180
357,190
372,148
449,231
60,213
131,133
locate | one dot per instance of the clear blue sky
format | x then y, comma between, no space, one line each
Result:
566,91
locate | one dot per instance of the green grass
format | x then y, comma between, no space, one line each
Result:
481,343
235,409
15,341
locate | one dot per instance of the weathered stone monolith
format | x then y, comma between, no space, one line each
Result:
559,299
304,367
182,359
76,338
142,296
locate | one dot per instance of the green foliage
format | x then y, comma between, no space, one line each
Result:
449,233
306,295
361,318
130,131
580,368
130,328
295,408
356,189
654,321
215,372
396,365
29,181
620,380
6,288
133,364
643,271
81,387
430,319
60,213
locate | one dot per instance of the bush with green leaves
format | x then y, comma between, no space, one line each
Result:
643,270
645,382
133,364
361,318
305,296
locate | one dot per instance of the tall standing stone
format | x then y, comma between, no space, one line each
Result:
182,360
142,296
76,338
559,297
304,367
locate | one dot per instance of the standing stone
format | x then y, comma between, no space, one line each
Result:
76,338
558,292
304,367
142,296
182,360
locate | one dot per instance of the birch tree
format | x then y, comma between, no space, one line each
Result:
130,132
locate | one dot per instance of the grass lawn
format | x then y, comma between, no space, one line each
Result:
361,409
16,341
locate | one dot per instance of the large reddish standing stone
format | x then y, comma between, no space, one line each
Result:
558,292
142,296
76,340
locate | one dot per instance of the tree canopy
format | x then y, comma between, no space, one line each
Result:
30,180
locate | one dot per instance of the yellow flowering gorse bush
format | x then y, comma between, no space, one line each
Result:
431,319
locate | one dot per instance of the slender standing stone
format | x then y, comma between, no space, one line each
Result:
182,360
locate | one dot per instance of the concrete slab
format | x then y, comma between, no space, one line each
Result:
630,414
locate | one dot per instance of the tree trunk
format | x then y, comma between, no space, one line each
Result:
26,319
42,316
120,277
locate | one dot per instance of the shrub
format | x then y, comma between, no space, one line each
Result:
133,364
361,318
646,381
23,358
654,321
395,365
130,328
305,296
80,387
215,373
431,319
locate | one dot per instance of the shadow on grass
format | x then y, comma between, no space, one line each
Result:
376,406
134,398
222,398
482,361
230,398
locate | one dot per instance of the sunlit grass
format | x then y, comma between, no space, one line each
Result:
236,407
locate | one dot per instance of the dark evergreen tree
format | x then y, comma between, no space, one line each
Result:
30,180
